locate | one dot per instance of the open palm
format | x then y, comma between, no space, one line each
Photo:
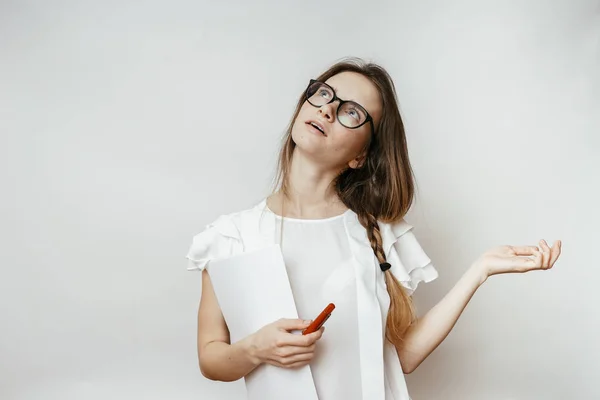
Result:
519,259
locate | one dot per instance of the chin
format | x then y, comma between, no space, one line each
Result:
305,140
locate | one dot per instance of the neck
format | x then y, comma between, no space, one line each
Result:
311,193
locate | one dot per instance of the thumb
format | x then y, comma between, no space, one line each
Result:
292,324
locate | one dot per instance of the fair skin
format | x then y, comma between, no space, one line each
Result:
317,160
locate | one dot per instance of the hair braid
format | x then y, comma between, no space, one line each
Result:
397,322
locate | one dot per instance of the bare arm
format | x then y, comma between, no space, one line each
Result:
218,359
426,334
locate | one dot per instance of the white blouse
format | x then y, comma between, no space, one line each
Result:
319,266
331,261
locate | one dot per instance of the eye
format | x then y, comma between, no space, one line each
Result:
324,93
353,113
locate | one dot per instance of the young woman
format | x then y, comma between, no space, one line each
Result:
344,185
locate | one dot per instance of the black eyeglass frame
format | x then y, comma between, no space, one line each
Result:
334,98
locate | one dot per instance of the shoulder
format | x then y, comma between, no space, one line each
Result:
222,237
410,263
234,224
390,232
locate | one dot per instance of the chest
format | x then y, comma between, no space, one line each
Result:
327,260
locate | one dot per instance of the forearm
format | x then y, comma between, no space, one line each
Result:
425,335
220,361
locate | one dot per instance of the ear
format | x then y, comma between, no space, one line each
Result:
359,161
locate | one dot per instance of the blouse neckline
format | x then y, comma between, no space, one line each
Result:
303,220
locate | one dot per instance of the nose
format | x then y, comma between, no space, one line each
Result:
327,111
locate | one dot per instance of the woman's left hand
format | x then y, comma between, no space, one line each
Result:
511,259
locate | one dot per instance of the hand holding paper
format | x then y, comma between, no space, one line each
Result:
253,290
275,345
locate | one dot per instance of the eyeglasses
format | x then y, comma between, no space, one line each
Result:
350,114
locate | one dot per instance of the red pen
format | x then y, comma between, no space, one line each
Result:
320,320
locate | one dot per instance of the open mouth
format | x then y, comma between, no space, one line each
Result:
317,127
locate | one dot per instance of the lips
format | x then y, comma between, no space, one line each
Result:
317,126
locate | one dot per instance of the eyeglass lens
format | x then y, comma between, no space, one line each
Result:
350,114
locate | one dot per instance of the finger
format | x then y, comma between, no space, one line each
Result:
289,366
545,254
297,365
303,340
555,252
289,351
291,324
276,363
525,264
316,335
524,250
288,361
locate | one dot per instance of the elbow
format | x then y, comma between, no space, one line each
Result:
212,376
206,372
408,369
408,361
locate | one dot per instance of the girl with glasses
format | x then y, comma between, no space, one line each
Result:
344,186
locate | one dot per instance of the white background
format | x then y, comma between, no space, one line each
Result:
128,126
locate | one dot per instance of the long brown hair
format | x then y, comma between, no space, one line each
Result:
382,189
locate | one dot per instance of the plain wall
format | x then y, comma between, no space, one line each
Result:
128,126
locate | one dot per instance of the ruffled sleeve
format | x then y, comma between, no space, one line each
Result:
220,239
410,263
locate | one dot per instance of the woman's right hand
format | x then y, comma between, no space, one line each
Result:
274,344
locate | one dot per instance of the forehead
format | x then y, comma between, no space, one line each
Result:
357,87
